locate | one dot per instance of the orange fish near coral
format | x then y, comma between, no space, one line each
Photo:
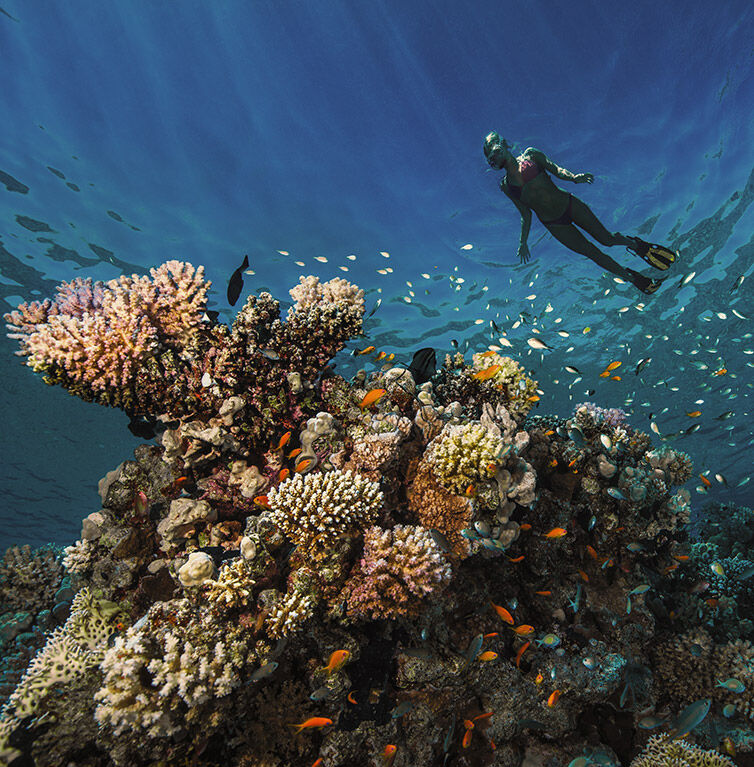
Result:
388,755
368,350
337,660
543,593
553,699
720,372
303,465
705,481
487,373
294,452
503,613
372,397
263,501
520,653
533,398
525,526
524,630
516,559
284,474
487,655
319,762
556,532
466,742
351,698
613,366
283,441
312,721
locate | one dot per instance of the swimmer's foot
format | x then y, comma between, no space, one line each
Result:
645,284
655,255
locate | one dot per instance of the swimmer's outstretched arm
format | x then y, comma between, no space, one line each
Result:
543,160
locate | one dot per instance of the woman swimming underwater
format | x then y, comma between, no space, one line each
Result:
528,185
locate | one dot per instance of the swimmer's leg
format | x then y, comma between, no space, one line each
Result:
582,216
573,239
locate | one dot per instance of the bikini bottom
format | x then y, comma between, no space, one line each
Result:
565,218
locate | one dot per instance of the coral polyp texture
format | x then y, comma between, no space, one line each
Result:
377,560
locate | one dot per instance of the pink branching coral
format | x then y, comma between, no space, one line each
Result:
399,568
99,334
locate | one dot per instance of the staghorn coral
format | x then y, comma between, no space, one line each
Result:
678,753
315,510
176,660
399,569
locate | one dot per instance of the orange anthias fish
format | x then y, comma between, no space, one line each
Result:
487,655
705,481
524,630
720,372
388,755
368,350
337,660
303,465
516,559
592,552
543,593
533,398
486,715
556,532
263,501
525,526
520,653
487,373
466,742
372,397
284,474
605,374
694,414
351,698
312,721
319,762
503,613
613,366
294,452
553,699
615,378
284,440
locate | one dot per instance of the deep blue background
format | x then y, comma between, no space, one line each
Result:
203,131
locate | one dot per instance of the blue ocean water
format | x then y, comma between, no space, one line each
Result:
138,132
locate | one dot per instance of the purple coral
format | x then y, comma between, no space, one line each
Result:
398,569
613,416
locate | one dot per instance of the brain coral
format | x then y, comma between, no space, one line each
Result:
315,510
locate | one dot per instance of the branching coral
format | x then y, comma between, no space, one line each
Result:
399,569
678,753
315,510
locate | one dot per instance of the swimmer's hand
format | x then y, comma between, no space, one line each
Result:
583,178
523,253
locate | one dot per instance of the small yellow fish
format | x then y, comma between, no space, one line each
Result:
380,356
524,630
539,679
487,373
556,532
487,655
613,365
586,330
368,350
694,414
533,398
615,378
605,374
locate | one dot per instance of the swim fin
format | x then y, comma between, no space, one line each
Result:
655,255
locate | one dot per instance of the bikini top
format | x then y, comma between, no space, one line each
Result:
528,169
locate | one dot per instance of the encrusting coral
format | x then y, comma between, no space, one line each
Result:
373,560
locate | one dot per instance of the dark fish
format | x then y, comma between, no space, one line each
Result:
691,716
642,364
724,416
235,283
454,343
693,428
590,392
440,540
495,327
423,365
737,284
211,316
142,427
375,308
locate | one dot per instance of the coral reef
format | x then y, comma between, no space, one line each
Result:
371,560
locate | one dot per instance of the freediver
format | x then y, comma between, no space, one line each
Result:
530,188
